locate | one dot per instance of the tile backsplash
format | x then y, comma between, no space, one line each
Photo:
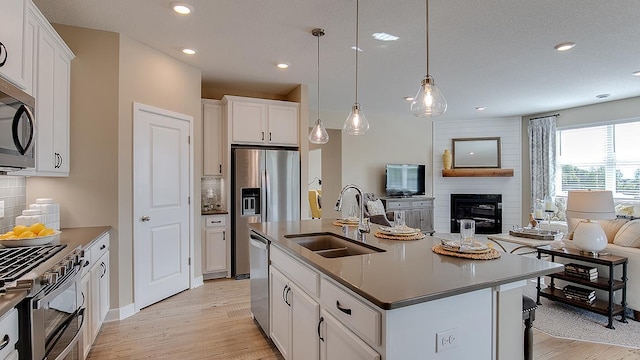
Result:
13,193
212,195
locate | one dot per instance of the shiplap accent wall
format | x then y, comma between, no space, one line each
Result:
509,131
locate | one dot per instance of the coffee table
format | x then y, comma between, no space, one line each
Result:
523,243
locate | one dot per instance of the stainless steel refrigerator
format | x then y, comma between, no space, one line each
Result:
266,187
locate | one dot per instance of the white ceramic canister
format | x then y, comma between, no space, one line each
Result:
30,217
51,211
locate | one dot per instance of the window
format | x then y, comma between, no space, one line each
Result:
604,157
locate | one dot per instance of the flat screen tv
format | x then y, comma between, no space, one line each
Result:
404,180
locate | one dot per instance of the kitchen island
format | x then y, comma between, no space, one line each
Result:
405,302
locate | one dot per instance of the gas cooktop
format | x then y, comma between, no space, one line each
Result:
18,261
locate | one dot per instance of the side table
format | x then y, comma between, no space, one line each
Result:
608,283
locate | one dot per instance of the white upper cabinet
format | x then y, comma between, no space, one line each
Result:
262,122
51,61
12,26
212,138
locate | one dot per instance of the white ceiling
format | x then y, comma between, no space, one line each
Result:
493,53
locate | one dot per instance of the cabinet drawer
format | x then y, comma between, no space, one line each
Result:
300,274
98,248
215,220
9,327
351,311
395,205
423,204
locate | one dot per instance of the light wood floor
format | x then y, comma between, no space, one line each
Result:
214,322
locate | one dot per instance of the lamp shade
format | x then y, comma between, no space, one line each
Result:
590,204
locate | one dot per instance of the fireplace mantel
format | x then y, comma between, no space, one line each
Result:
477,172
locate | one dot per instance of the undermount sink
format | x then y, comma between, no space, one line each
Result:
330,245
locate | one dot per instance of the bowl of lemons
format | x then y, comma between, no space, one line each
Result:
22,235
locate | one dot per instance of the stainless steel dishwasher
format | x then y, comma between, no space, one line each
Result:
259,279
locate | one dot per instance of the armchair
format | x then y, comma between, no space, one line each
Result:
315,204
380,217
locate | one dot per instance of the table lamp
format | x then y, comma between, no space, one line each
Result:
590,205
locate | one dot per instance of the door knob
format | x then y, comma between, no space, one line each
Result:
145,218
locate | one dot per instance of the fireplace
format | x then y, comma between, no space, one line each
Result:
485,209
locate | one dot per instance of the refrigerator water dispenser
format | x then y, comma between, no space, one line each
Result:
250,201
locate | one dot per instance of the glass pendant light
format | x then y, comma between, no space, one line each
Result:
318,134
429,101
356,123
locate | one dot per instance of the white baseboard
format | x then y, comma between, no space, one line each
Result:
120,313
197,282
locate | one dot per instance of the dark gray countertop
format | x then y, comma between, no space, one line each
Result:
408,272
73,237
214,212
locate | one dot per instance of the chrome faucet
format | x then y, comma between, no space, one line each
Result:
363,225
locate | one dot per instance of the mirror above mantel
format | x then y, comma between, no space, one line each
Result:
476,157
473,153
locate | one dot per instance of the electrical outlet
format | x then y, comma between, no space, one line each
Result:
446,340
1,209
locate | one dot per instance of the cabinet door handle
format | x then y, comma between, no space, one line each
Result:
224,235
104,246
263,136
320,323
3,60
5,341
344,310
220,168
286,296
104,269
269,135
284,291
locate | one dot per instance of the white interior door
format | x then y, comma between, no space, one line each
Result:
161,203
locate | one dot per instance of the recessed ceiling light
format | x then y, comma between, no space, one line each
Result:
182,8
382,36
481,108
565,46
283,66
409,98
189,51
603,96
353,48
636,73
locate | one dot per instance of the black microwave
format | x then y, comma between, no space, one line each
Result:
17,128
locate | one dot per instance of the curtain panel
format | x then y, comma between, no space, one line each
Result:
542,155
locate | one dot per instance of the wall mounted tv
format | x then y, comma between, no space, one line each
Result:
404,180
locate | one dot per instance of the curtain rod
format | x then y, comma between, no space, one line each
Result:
542,117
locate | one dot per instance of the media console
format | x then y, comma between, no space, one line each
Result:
418,211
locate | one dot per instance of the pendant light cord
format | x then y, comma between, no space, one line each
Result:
319,75
357,46
427,34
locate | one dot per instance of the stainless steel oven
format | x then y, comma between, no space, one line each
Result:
54,313
17,128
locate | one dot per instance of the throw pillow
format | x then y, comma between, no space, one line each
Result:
375,207
629,234
622,209
611,227
571,227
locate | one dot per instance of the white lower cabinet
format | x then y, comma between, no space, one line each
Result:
337,342
9,334
95,287
297,300
294,319
215,249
